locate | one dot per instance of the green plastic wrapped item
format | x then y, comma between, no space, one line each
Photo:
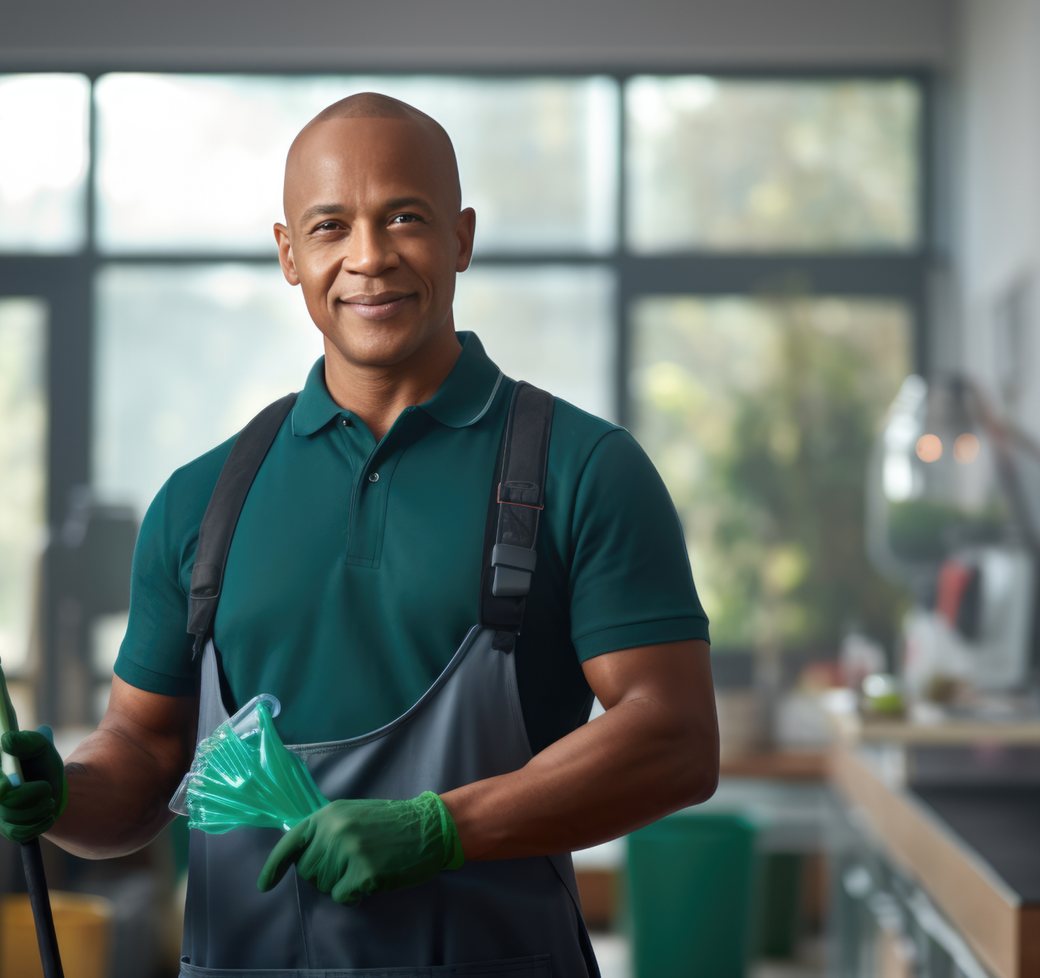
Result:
243,775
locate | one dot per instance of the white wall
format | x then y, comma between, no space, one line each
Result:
411,34
997,199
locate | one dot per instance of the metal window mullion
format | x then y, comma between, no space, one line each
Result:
854,274
92,157
194,257
622,325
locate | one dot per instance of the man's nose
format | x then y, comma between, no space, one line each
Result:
370,250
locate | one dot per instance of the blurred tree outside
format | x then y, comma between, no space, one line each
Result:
766,164
760,414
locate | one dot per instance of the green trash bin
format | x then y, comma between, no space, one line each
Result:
690,889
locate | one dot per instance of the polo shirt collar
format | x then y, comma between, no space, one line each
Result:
314,408
462,400
467,392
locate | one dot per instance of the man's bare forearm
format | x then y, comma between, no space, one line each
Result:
122,776
112,811
655,750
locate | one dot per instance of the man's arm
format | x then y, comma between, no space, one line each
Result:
655,750
123,775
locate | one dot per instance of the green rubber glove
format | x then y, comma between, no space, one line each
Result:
33,807
355,847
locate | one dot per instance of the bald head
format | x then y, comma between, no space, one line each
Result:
429,134
374,233
372,105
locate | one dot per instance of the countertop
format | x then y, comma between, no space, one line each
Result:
974,850
1000,823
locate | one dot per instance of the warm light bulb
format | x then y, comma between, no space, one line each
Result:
966,448
929,448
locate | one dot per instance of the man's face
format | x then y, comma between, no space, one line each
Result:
374,236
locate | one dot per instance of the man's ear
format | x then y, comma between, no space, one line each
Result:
285,255
464,230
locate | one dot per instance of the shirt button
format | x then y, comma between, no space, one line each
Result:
347,423
374,477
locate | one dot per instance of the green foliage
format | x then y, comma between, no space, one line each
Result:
797,461
780,426
921,529
742,163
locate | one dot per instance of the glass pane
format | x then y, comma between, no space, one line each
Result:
551,325
744,164
23,454
760,415
43,162
185,357
537,156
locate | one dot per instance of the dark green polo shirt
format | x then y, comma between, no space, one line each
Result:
354,571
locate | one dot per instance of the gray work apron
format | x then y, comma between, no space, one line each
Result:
514,917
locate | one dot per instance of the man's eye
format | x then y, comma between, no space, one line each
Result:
404,218
327,226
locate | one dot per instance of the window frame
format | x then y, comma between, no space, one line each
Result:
67,282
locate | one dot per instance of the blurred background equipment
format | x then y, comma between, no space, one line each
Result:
87,578
953,507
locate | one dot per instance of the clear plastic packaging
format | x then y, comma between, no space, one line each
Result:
244,775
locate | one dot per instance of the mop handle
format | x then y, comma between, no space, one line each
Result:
32,857
40,901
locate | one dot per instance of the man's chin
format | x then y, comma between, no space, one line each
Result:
376,348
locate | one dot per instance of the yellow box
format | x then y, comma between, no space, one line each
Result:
84,927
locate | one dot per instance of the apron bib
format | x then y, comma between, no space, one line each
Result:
519,918
515,917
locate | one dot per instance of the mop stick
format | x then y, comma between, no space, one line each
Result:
32,857
39,899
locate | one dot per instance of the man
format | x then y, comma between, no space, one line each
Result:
351,591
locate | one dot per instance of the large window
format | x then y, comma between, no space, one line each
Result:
190,167
733,267
195,162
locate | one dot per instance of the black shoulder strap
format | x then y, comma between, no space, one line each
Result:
225,505
517,500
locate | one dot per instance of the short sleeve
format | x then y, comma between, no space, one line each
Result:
631,583
156,654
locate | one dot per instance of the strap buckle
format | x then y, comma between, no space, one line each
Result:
521,489
513,568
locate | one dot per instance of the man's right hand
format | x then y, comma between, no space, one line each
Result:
32,808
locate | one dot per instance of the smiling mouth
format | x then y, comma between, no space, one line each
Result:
377,307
